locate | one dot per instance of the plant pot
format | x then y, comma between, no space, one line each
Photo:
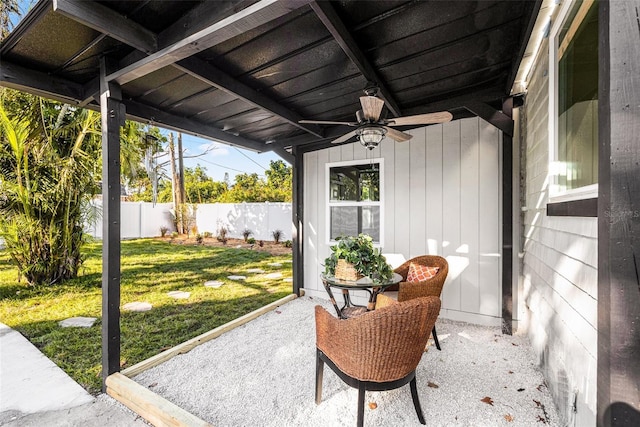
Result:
346,271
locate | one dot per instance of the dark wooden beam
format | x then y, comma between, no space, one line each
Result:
507,221
618,387
257,14
109,22
285,155
146,114
113,117
219,79
297,220
38,83
499,119
327,14
583,207
199,18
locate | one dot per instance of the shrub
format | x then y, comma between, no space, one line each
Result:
163,231
208,234
174,234
261,243
277,235
287,244
222,235
246,233
199,238
251,241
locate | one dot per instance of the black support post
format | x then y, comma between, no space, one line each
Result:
507,220
112,112
297,220
618,397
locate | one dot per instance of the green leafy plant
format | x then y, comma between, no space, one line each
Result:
199,238
360,252
207,234
287,244
251,241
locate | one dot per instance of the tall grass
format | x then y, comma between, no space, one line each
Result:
150,269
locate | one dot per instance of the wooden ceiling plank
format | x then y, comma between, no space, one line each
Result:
527,31
147,114
216,77
109,22
327,14
247,19
90,13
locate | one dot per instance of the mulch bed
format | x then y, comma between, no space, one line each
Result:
267,246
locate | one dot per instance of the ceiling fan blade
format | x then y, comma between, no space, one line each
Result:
328,122
372,107
397,135
344,137
422,119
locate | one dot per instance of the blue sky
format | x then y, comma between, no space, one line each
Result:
220,158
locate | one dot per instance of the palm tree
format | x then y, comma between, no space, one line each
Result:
47,160
7,7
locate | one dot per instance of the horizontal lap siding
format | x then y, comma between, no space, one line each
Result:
559,272
441,197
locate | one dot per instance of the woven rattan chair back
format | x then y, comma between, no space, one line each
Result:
432,287
358,350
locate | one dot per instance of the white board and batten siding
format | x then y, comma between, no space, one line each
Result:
441,196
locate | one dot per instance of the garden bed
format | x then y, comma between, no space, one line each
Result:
270,247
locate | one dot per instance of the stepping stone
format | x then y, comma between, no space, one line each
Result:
255,270
288,261
288,279
275,264
236,277
213,283
273,275
179,294
78,322
137,306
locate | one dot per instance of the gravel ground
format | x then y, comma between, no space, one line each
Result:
263,373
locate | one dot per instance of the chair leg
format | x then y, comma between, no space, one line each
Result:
319,372
361,390
416,401
435,337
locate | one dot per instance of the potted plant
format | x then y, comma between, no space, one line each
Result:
355,256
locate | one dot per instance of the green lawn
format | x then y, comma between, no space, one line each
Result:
150,269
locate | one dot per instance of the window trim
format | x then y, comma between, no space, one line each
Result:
554,194
329,204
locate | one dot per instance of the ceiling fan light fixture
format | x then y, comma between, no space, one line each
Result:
371,136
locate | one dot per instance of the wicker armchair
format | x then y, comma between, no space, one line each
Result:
431,287
378,350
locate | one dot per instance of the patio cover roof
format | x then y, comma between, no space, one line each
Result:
244,72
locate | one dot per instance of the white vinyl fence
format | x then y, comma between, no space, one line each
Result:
143,219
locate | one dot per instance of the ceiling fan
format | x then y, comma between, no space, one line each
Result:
371,128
